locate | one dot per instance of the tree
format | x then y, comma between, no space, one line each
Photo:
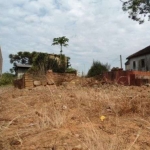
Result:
21,58
97,68
62,41
137,9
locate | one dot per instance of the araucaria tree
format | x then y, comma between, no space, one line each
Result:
137,9
21,58
62,41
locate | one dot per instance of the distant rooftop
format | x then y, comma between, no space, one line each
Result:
24,65
140,53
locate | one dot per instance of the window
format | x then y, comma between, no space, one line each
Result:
142,63
134,64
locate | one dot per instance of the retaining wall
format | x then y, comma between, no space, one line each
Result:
27,81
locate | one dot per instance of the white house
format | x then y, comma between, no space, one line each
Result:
139,61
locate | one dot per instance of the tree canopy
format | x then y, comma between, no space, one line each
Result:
21,58
137,9
62,41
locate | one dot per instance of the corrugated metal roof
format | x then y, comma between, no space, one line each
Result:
24,65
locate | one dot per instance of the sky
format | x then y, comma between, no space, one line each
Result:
97,30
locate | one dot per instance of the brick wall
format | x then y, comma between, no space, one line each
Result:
128,77
27,81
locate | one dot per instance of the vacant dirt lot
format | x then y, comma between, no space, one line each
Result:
73,117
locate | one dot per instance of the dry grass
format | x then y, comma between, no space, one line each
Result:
70,116
48,118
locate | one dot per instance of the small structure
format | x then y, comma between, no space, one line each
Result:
1,62
21,69
139,61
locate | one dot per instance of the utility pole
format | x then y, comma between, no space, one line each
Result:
121,61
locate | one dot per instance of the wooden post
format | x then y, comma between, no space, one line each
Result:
121,61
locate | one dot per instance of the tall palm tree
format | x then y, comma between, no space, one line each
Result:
62,41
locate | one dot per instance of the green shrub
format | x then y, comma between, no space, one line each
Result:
70,70
97,68
6,78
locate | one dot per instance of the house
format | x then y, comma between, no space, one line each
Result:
139,61
21,69
1,62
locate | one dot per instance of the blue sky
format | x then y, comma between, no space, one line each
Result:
97,30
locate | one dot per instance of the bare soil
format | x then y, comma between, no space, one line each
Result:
69,117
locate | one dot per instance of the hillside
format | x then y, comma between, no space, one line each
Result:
75,117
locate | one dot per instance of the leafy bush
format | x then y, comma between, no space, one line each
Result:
6,78
42,62
97,68
70,70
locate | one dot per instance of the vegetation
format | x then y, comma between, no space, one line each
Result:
6,78
62,41
71,70
97,68
41,62
137,9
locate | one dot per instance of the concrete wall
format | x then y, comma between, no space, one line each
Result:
20,72
138,65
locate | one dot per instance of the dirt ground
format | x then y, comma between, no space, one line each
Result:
75,117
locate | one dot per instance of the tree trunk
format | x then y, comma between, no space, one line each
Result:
61,49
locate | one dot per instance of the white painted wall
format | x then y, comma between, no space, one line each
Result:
20,72
137,62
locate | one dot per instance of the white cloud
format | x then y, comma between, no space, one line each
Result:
97,29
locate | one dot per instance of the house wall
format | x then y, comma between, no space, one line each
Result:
138,65
127,67
20,72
